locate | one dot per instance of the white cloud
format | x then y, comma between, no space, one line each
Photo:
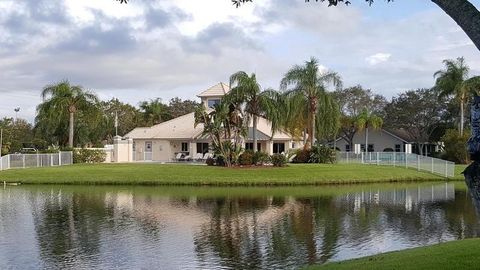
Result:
377,58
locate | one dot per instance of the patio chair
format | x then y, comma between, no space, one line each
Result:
179,156
207,156
198,157
187,158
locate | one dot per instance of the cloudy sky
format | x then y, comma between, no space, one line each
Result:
167,48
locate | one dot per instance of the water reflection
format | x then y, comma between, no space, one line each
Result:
185,228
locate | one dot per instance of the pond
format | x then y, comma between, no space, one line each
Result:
95,227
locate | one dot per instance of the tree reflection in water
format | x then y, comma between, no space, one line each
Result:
140,228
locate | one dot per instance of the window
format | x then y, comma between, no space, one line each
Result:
133,147
213,102
148,146
278,148
293,145
398,148
371,148
249,146
347,148
184,147
202,148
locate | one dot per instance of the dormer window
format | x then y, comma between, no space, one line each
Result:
213,102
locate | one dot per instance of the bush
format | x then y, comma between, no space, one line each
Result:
246,158
260,158
279,160
210,161
455,146
220,161
84,155
322,154
302,156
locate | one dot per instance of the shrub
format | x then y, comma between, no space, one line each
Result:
220,161
302,156
322,154
455,146
246,158
279,160
210,161
84,155
260,158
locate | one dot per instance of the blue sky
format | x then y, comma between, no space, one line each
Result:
160,48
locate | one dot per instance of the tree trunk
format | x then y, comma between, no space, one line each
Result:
465,15
462,116
312,137
366,140
255,133
70,127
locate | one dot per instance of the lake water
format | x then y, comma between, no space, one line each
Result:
79,227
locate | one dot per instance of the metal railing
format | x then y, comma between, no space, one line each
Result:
18,161
399,159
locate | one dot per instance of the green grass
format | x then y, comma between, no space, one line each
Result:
456,255
183,174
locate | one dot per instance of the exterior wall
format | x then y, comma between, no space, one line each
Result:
161,150
122,150
380,140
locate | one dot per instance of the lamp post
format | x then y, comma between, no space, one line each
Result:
1,141
16,113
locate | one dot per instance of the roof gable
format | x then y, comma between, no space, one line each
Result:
218,90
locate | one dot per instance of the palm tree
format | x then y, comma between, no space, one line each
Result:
154,111
309,88
63,98
453,80
246,91
366,120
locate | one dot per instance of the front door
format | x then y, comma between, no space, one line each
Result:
148,151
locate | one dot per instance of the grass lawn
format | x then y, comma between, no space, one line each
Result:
456,255
184,174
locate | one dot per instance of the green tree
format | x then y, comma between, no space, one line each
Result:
16,135
367,120
62,99
308,87
225,126
129,117
178,107
417,112
154,111
353,101
454,81
247,92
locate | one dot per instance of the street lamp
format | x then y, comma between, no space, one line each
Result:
16,113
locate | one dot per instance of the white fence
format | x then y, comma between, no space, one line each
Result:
14,161
397,159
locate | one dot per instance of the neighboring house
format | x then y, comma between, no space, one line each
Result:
383,140
164,141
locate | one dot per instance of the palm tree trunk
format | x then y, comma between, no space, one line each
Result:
462,116
70,133
366,139
312,131
255,133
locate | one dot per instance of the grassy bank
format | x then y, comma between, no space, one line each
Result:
456,255
182,174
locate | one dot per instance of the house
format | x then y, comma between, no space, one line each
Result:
163,142
383,140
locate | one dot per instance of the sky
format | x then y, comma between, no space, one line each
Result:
168,48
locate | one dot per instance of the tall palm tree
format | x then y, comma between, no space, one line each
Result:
247,92
309,88
453,81
154,111
366,120
63,98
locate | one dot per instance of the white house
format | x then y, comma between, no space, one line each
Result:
163,142
383,140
